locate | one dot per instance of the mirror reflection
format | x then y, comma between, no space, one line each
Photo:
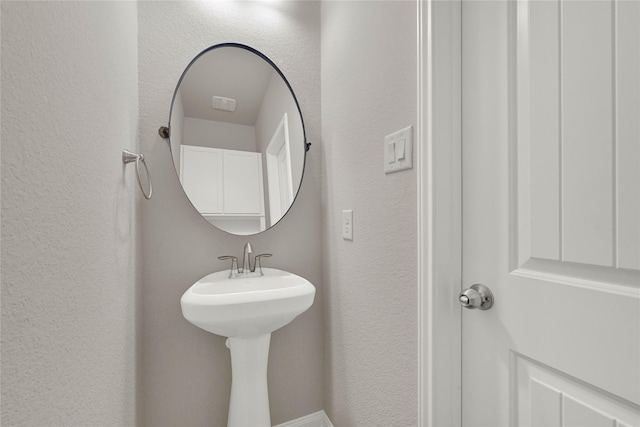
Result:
237,139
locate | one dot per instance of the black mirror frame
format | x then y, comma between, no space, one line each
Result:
165,131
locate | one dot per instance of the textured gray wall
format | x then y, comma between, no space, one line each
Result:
70,242
69,98
185,374
369,91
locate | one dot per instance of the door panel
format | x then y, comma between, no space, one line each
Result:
627,129
547,397
551,194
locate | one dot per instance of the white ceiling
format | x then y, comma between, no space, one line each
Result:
230,72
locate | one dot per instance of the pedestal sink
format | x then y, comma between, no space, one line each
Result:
246,310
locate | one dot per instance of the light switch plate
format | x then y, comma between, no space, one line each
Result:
347,224
398,150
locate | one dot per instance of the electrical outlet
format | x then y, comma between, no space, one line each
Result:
347,224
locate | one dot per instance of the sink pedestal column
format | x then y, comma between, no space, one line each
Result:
249,405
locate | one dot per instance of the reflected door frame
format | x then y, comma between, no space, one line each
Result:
279,175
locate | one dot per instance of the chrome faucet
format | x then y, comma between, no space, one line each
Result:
246,269
246,258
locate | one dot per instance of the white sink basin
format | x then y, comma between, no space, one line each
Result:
247,310
246,306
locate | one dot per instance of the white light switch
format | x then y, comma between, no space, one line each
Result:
402,156
347,224
400,148
391,153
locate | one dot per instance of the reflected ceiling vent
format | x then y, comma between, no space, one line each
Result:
224,104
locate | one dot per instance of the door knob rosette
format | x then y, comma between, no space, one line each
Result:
477,296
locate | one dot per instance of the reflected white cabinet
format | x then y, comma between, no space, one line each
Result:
242,177
201,177
224,185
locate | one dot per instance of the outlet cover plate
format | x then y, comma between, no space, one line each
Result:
347,224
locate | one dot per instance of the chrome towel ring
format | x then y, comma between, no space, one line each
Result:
129,157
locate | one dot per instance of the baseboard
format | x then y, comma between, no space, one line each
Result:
317,419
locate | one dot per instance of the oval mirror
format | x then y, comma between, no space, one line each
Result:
237,138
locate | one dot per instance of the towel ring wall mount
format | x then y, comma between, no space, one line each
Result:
130,157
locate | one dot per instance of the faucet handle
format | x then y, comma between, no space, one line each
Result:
257,262
234,264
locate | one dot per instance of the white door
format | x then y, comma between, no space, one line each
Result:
284,180
279,174
551,212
